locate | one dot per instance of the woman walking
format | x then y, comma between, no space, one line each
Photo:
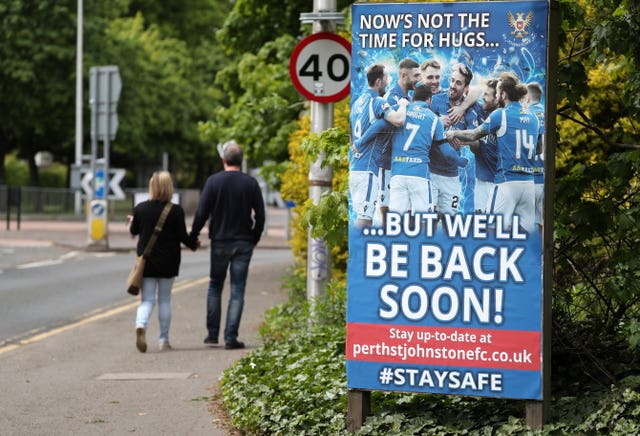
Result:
163,263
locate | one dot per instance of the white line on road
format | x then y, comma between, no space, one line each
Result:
41,263
181,286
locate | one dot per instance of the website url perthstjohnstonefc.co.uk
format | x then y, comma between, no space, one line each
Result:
406,352
448,346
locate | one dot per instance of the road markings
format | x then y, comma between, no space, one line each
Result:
40,263
127,376
93,316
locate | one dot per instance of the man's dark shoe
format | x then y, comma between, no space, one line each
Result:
233,345
211,341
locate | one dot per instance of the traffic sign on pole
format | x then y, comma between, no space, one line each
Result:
115,177
320,67
104,92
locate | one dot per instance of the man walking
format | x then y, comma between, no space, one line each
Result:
232,201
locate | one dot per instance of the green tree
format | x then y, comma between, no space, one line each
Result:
252,23
261,111
192,21
37,53
597,207
156,102
168,67
168,64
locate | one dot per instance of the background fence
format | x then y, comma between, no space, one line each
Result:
61,202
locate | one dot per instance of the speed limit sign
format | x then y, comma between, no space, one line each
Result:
320,67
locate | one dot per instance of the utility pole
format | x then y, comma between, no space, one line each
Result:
323,18
79,142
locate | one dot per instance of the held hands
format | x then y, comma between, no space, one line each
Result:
456,113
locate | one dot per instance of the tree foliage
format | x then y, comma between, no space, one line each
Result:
596,304
167,58
252,23
262,103
37,58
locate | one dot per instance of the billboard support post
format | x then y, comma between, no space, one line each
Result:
537,412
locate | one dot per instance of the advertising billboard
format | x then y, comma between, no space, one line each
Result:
446,180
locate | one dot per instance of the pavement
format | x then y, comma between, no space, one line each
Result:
87,378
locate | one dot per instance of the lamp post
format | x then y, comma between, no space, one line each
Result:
80,19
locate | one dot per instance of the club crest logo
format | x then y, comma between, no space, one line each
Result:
520,23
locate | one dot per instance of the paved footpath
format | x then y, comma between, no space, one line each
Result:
87,378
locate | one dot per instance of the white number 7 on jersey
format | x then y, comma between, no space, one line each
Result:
414,131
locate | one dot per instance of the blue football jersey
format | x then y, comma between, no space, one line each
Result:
368,108
538,162
440,164
412,142
487,154
393,96
517,131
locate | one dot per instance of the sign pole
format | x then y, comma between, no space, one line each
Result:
319,178
79,142
93,102
107,152
104,89
323,19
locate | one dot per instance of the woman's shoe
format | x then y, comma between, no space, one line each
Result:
141,341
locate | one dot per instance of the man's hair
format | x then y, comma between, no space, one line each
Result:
430,63
465,71
408,64
535,91
510,84
374,72
160,186
422,93
232,153
493,84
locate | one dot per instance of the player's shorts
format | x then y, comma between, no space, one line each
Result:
384,180
514,198
410,194
363,186
539,202
481,195
446,193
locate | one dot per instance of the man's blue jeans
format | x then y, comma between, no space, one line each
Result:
234,255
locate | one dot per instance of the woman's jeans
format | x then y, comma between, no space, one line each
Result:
234,255
149,285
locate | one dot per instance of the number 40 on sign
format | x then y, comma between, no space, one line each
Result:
320,67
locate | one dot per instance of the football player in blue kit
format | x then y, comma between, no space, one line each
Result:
534,96
517,131
410,180
444,172
408,77
410,175
431,75
365,160
485,151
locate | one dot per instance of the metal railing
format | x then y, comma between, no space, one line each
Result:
61,202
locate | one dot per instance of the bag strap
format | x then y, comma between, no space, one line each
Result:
157,229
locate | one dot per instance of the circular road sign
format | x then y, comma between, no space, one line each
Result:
320,67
